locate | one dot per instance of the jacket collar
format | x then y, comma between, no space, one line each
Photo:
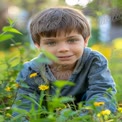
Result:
82,60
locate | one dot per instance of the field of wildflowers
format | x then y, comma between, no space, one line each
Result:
58,111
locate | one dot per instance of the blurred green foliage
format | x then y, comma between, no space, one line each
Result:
94,8
11,63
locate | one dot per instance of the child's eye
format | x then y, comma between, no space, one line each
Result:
72,40
51,43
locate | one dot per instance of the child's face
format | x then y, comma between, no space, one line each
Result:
68,48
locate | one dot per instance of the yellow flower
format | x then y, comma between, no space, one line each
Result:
105,112
8,88
98,104
43,87
120,109
117,43
33,75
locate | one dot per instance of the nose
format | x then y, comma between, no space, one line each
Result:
63,47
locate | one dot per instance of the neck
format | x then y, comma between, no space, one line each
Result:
62,72
59,67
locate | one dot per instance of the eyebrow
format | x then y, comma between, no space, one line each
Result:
69,37
77,36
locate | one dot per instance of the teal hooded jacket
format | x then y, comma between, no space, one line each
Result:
91,76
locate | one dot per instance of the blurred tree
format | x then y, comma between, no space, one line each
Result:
95,9
26,8
104,6
106,11
3,15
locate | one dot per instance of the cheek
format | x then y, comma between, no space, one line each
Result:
79,51
51,50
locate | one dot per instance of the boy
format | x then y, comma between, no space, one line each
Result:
65,32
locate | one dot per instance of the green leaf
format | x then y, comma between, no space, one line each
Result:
13,59
1,118
43,60
66,99
31,99
42,120
21,111
5,37
20,117
49,55
11,22
66,112
11,29
17,67
24,85
62,83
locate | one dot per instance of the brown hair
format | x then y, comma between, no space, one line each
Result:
52,21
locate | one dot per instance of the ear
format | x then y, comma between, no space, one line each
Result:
86,41
37,45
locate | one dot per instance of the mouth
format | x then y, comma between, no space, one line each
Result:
64,57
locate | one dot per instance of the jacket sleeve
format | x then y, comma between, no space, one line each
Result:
27,88
101,86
